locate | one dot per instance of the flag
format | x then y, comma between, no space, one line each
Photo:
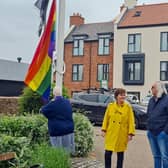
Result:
42,6
38,77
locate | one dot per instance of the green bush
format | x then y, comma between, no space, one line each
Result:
19,145
83,135
32,126
50,157
31,102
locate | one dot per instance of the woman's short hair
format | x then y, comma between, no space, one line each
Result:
161,89
119,91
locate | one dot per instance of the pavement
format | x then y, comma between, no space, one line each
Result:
138,154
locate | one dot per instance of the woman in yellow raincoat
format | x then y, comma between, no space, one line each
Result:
118,128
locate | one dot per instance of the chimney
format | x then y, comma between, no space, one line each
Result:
76,19
19,59
130,4
122,7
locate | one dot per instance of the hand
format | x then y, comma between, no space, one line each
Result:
103,133
130,137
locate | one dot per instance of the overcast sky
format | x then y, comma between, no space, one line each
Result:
19,21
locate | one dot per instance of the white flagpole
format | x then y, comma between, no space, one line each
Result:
60,45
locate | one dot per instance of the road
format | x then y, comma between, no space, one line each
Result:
138,154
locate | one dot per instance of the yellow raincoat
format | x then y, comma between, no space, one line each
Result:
118,123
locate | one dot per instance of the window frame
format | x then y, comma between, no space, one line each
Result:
78,39
164,71
134,43
77,73
103,73
104,37
162,50
133,58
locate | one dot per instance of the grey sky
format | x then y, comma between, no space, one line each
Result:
20,20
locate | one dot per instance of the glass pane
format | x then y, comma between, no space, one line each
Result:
75,43
131,48
138,43
75,77
130,38
137,71
164,66
163,76
100,72
103,98
75,70
106,42
106,50
75,51
81,46
164,42
80,72
131,71
80,51
101,46
106,70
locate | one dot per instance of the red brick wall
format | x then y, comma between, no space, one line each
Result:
89,61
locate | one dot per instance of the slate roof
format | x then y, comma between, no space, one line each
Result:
91,31
12,71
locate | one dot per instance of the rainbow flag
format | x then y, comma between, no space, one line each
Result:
38,77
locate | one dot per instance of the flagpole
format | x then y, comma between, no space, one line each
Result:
60,45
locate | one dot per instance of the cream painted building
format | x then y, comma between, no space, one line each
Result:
141,47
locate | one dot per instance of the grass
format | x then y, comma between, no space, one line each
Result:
50,157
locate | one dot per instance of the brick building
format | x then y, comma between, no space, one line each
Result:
88,55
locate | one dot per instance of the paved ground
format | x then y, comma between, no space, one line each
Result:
138,154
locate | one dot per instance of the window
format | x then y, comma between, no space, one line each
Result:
164,41
78,46
134,43
164,70
133,69
104,44
77,72
103,72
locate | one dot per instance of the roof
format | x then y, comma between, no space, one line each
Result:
91,30
12,71
149,15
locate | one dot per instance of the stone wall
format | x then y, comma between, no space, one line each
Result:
8,105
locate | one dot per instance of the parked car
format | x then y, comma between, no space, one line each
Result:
94,104
145,100
133,98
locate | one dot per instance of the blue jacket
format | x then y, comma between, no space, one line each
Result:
158,115
59,115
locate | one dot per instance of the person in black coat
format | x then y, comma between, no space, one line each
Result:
60,121
157,125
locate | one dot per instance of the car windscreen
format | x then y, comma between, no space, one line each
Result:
89,97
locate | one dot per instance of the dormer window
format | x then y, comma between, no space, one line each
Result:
137,13
78,46
104,44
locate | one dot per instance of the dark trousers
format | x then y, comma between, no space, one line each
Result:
120,158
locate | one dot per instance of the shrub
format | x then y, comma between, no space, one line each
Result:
19,145
50,157
29,102
83,135
32,126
